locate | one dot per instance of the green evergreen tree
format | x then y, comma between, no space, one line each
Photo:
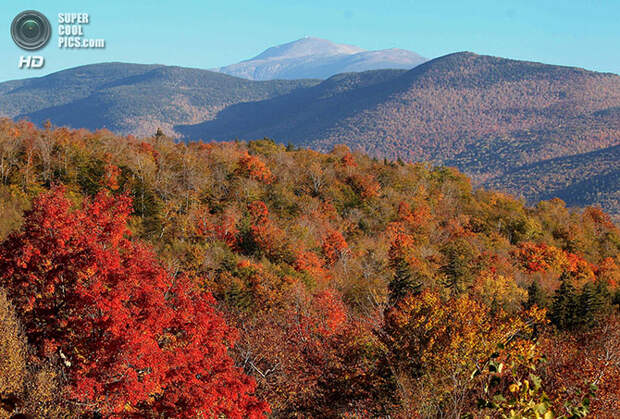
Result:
564,311
404,282
594,302
588,305
535,296
458,269
604,295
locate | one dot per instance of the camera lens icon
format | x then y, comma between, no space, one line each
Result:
31,30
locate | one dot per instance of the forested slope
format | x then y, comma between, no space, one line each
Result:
578,180
132,98
224,277
480,112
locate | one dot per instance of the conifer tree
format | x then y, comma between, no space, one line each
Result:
457,268
564,310
404,281
593,302
535,296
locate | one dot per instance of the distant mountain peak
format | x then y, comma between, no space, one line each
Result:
317,58
307,46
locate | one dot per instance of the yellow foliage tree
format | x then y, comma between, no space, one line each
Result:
441,349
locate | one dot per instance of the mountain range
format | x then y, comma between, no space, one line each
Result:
533,129
319,59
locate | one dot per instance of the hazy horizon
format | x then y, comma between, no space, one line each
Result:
34,74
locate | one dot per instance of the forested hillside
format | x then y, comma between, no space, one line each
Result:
491,117
140,277
578,180
132,98
480,112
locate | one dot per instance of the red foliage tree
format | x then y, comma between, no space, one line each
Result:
111,176
334,247
222,227
131,338
311,359
365,185
259,212
148,148
254,168
543,258
311,264
348,160
269,238
536,257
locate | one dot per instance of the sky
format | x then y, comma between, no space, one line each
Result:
207,34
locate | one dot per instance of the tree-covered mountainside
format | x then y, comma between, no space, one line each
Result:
487,116
578,180
132,98
140,277
492,118
464,107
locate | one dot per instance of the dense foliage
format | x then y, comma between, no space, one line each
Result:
343,286
131,338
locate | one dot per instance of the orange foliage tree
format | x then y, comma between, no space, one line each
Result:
254,168
266,236
334,247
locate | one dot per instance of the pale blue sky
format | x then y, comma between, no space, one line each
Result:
204,34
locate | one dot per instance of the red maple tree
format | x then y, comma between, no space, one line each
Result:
130,337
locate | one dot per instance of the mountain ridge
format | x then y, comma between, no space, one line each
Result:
306,46
131,98
447,80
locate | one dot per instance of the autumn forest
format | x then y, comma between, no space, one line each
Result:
150,278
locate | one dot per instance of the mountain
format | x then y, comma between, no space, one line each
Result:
488,116
463,109
319,59
509,124
132,98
